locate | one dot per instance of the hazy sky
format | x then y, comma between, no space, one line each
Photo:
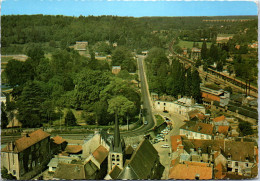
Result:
128,8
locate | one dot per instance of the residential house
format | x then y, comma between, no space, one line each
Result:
182,106
116,69
28,155
197,130
191,171
58,144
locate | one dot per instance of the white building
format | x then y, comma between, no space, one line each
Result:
182,106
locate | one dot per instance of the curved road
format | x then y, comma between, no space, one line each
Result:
146,103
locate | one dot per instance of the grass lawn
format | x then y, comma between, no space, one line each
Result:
5,59
189,44
159,119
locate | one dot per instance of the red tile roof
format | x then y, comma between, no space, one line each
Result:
26,141
100,154
58,140
219,172
73,148
175,142
223,129
187,171
220,118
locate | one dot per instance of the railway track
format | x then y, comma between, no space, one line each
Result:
217,76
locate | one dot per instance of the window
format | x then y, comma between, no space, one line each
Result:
246,164
14,172
236,164
158,102
164,104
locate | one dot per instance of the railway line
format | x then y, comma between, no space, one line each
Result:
218,77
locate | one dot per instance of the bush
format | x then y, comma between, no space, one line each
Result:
70,119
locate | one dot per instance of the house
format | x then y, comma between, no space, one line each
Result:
210,96
116,69
74,171
53,164
73,149
220,121
176,143
196,115
145,53
99,138
197,130
182,106
28,155
191,171
14,123
81,45
58,144
240,157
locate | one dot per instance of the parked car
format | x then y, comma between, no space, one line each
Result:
165,146
145,122
160,139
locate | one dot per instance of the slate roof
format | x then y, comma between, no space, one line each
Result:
205,145
240,150
188,171
58,140
142,161
129,150
100,154
25,142
198,127
73,148
115,172
70,171
128,173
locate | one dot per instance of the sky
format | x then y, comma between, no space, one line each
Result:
128,7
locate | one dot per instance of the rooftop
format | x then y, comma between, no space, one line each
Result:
58,140
26,141
198,127
100,154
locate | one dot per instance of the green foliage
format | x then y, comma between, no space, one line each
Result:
4,119
5,175
204,51
245,128
120,106
70,119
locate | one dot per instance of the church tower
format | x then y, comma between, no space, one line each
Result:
116,152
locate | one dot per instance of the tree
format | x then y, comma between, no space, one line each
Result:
70,119
204,50
196,86
119,106
245,128
4,119
5,175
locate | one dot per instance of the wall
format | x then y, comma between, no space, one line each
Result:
195,135
131,126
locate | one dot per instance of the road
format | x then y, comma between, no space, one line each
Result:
146,102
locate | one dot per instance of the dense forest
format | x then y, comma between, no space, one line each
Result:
56,77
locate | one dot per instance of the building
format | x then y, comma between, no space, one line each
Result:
116,69
197,130
145,53
182,106
28,155
144,164
58,144
191,171
210,96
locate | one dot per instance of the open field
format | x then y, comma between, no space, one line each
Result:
189,44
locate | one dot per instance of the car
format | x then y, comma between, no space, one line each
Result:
165,146
160,139
145,122
165,111
134,146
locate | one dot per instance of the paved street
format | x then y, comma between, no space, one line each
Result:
165,153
